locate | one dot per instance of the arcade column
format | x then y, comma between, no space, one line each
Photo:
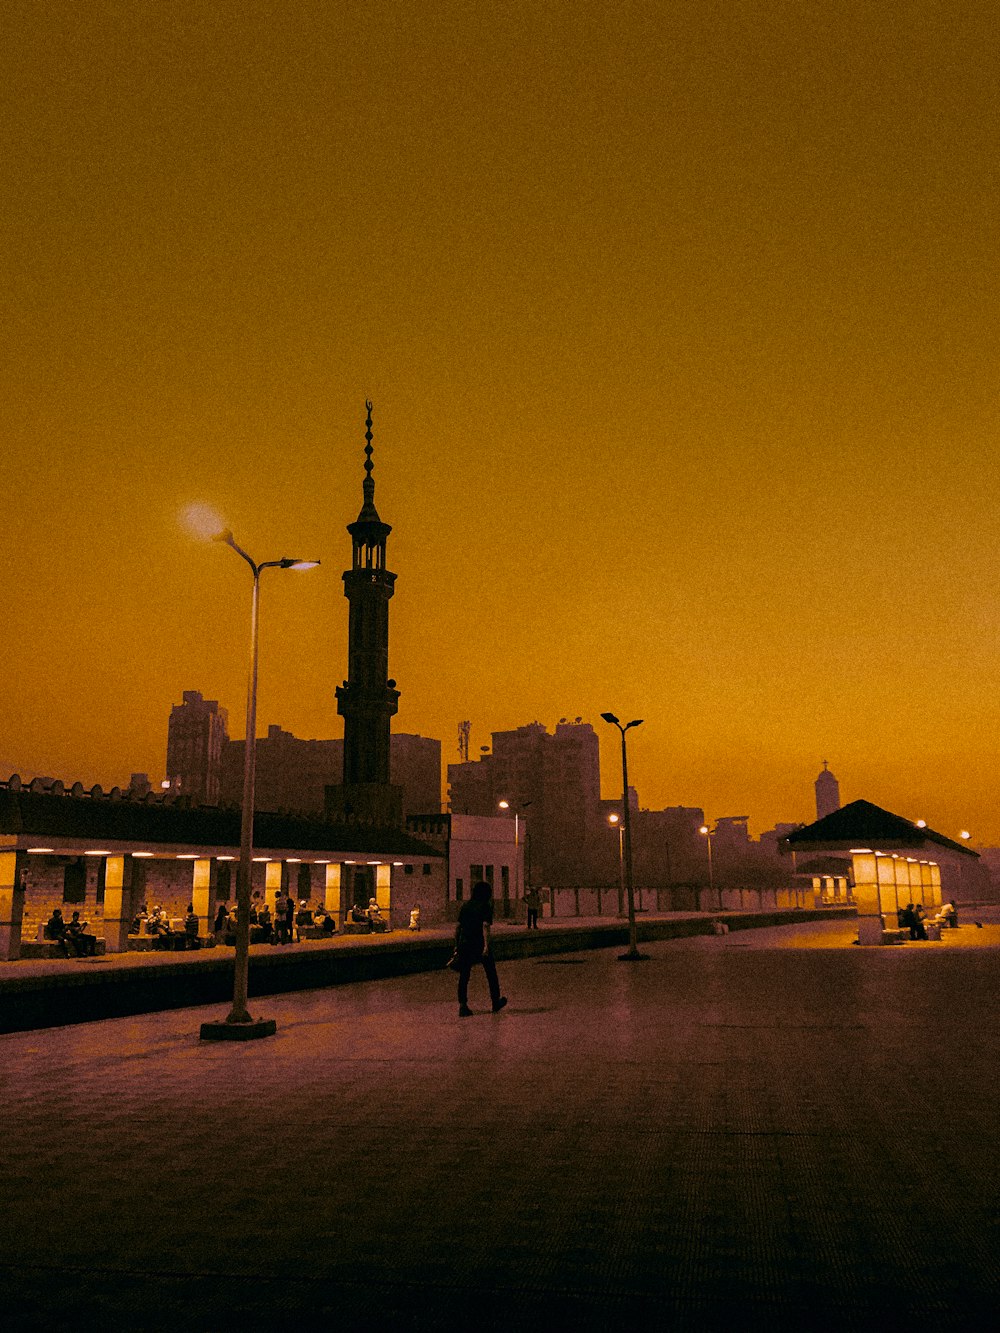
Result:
203,883
117,902
331,896
13,876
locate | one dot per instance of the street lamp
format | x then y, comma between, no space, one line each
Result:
239,1026
632,955
616,822
711,879
505,805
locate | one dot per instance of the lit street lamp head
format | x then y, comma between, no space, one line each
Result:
288,563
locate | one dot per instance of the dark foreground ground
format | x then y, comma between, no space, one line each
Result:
770,1129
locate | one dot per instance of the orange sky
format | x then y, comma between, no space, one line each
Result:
680,323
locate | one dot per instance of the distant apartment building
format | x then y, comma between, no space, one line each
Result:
292,774
197,735
552,782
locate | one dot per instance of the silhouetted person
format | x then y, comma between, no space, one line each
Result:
919,917
55,930
265,925
191,928
84,944
472,944
532,901
221,918
908,921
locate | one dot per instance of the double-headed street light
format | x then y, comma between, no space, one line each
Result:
632,955
239,1026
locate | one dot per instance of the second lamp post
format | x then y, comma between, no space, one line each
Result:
632,955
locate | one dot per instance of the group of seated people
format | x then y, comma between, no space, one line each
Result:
157,925
279,926
372,914
913,917
72,936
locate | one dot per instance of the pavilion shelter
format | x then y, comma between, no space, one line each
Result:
107,854
888,861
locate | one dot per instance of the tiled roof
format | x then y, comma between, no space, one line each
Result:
862,824
122,820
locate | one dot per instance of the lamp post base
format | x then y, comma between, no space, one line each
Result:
633,958
226,1031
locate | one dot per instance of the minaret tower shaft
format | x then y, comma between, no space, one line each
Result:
368,699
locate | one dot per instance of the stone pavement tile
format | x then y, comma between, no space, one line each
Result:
719,1138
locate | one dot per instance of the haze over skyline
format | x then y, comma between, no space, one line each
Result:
679,324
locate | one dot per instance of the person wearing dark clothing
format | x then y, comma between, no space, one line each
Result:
472,944
192,927
55,929
221,918
532,901
84,944
290,919
919,917
908,921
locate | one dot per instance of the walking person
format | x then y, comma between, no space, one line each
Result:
532,901
472,944
290,918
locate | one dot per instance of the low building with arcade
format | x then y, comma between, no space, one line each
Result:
105,854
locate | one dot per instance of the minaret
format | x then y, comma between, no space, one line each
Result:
827,793
368,698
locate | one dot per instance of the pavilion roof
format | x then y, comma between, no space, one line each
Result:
862,824
46,814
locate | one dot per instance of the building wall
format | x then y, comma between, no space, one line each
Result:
293,774
196,736
554,780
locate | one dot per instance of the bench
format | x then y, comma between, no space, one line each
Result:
51,949
357,927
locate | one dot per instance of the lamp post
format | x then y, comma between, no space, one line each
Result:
505,805
632,955
711,879
616,822
239,1026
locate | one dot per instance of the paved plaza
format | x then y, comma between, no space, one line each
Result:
767,1129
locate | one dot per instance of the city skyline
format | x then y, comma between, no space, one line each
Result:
679,337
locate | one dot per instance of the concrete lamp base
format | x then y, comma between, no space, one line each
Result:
223,1031
633,958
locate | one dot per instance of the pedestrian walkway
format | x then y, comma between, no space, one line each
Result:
46,993
763,1130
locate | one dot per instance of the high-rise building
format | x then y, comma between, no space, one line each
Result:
827,793
552,783
368,699
196,736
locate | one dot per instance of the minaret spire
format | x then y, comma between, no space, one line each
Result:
369,482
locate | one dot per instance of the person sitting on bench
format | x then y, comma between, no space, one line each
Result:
84,944
55,930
